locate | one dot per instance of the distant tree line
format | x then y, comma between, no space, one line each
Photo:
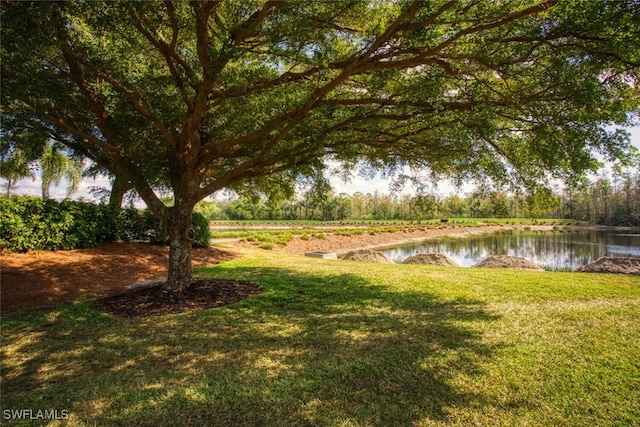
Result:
610,201
606,200
373,206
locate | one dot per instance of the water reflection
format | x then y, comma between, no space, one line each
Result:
560,250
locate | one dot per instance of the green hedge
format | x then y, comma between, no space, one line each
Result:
200,224
28,223
141,225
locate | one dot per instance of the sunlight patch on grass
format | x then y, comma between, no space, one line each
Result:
127,364
196,394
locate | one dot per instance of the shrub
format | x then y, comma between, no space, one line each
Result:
28,223
92,224
284,238
203,233
143,226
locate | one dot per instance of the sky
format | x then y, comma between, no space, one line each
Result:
356,184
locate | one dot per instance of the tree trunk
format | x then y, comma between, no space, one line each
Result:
118,190
10,184
181,237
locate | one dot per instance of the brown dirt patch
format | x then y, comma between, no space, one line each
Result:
39,279
502,261
366,255
624,265
155,301
430,259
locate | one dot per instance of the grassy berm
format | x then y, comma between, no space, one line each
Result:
338,343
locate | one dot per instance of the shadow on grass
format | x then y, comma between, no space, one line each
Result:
310,350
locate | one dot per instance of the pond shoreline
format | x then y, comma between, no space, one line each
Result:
555,249
341,244
453,233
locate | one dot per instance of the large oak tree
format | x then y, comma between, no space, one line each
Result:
194,97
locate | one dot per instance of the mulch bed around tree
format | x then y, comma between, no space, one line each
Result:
45,279
155,301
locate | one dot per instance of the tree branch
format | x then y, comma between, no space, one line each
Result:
203,11
422,56
83,137
489,142
169,53
112,158
349,70
171,11
250,25
98,110
431,19
532,10
134,98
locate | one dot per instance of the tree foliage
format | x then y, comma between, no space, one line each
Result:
56,165
14,167
610,201
196,97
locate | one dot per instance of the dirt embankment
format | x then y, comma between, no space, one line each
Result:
366,255
430,259
627,265
379,240
503,261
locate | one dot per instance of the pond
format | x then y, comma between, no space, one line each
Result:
562,250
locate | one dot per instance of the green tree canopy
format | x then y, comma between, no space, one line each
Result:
194,97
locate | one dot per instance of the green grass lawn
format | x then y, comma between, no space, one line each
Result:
337,343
